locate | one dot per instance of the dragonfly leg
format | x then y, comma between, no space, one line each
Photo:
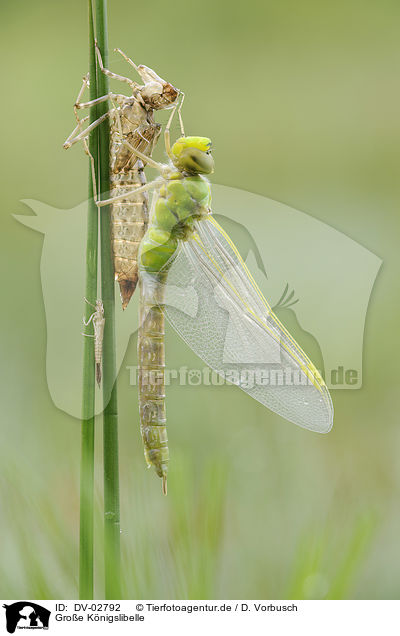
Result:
117,116
82,136
92,168
116,97
134,86
88,302
119,98
72,140
128,59
180,115
113,97
135,191
90,319
73,137
167,137
78,129
85,84
150,162
147,74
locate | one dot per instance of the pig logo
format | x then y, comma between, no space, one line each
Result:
26,615
331,274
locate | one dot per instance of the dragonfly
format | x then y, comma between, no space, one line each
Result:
132,126
98,320
227,322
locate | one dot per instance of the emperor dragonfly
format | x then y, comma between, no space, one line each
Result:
185,248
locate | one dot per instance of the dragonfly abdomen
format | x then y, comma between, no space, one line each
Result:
151,356
129,223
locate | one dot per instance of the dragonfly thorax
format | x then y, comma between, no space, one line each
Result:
180,203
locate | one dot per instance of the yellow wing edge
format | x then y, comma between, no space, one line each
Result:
306,366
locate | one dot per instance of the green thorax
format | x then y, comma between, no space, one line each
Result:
182,200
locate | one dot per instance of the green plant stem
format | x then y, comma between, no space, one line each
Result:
88,394
112,559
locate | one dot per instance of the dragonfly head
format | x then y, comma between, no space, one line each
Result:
193,155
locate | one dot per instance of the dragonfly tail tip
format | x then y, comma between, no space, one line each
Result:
127,287
164,485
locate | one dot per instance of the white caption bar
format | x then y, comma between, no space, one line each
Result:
194,617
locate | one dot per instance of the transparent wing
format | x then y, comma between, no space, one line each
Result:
229,324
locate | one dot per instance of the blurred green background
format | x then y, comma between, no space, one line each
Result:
301,100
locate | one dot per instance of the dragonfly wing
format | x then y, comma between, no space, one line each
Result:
234,330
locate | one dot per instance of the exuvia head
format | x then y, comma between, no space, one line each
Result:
156,92
193,155
99,307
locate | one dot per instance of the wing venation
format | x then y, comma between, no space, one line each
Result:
236,333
